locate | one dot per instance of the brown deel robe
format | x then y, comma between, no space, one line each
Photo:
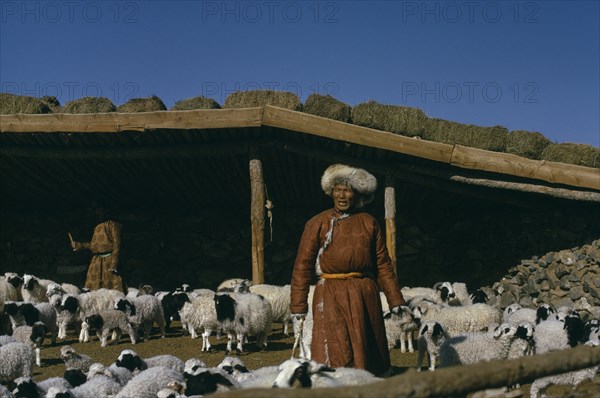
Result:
106,239
348,323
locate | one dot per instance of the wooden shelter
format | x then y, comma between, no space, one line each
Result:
222,158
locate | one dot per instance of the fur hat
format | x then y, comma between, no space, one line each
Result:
362,182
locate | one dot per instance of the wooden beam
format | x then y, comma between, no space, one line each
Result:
562,193
257,217
117,122
505,163
390,219
323,127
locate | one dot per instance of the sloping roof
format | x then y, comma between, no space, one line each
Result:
182,157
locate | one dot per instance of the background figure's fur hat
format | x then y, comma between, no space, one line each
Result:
362,182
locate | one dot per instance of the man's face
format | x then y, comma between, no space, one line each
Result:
343,197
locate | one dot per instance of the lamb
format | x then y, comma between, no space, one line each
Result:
34,289
110,320
200,315
74,360
203,381
32,335
475,347
172,303
457,320
130,360
279,298
573,378
515,314
17,361
27,388
40,312
11,308
400,327
299,373
234,285
144,310
62,289
523,344
65,307
149,382
244,314
99,386
92,302
431,336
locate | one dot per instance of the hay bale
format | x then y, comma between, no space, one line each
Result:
52,103
445,131
11,104
526,143
329,107
401,120
251,99
578,154
90,105
195,103
149,104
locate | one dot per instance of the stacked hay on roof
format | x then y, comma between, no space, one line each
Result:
526,143
401,120
579,154
90,105
12,104
149,104
445,131
329,107
195,103
251,99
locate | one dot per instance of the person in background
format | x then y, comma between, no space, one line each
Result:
105,246
345,248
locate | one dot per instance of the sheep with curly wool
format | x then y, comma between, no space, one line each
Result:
5,339
300,373
234,285
10,288
439,294
62,289
59,392
32,335
204,381
75,360
108,321
244,314
144,310
34,289
149,382
234,367
569,378
431,337
99,386
476,347
279,298
93,302
25,387
515,314
40,312
461,319
200,316
5,393
523,344
17,361
400,328
65,307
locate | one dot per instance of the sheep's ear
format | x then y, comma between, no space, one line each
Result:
241,368
387,315
424,329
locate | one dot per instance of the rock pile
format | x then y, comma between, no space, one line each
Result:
566,278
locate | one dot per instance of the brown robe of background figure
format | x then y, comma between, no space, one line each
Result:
345,248
105,246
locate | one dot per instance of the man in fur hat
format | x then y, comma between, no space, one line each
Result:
105,246
345,248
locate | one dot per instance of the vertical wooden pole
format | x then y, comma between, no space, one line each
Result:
257,217
390,219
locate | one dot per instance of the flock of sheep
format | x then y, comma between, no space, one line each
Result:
450,327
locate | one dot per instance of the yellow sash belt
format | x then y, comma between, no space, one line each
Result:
349,275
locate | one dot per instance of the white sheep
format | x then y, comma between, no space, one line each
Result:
110,321
431,337
279,298
200,315
17,361
5,393
205,381
475,347
515,314
90,303
439,294
400,327
26,387
75,360
237,285
149,382
59,392
62,289
144,310
65,307
34,289
99,386
300,373
569,378
10,288
40,312
550,335
242,315
461,294
457,320
131,360
523,344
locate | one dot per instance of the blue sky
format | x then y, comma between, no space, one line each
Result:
525,65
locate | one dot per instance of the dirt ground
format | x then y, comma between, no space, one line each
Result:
184,347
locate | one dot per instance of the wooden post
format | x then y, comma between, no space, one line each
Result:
257,217
390,219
